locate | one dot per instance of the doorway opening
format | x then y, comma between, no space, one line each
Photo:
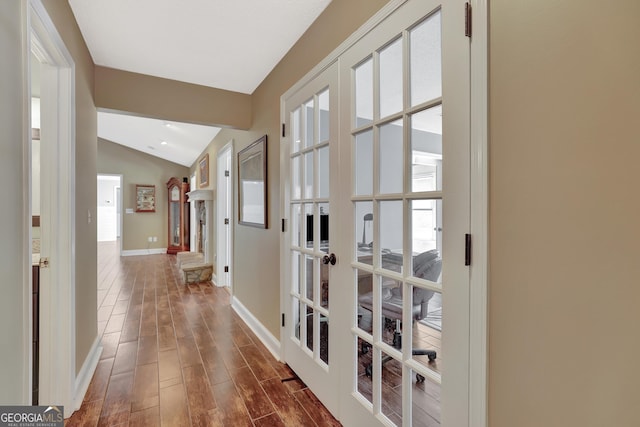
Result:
109,209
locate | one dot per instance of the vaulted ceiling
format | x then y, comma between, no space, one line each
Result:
226,44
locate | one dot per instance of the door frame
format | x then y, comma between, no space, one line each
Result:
479,169
228,207
57,339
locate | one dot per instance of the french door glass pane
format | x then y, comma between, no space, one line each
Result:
390,88
391,234
308,277
324,227
295,309
363,163
308,175
296,186
364,231
365,300
426,60
295,272
391,396
426,233
309,326
295,130
324,286
364,93
324,338
427,332
425,399
308,225
391,158
296,213
426,150
309,123
364,385
324,124
324,172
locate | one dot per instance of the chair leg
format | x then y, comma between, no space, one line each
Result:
431,354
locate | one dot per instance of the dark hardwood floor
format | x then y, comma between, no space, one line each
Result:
177,355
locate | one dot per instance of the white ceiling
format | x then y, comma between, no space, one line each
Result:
226,44
177,142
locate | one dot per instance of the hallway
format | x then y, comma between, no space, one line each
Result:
177,355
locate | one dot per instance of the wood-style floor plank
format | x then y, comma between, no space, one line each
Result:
179,355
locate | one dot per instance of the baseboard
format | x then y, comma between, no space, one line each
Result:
214,280
267,338
136,252
86,373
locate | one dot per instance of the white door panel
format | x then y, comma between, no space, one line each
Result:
399,182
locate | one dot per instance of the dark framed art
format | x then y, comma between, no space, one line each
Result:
252,184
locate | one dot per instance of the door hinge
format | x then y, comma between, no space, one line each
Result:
467,249
44,263
284,225
283,128
226,221
283,320
226,268
226,173
467,19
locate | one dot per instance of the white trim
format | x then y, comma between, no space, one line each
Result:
86,373
136,252
267,338
58,329
219,211
27,325
478,315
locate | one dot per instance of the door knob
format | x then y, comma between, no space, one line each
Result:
331,258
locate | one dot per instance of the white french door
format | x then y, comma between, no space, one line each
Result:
405,137
397,164
311,152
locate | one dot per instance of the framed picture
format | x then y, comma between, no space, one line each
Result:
145,198
203,171
252,184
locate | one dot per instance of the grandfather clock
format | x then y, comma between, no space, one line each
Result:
178,215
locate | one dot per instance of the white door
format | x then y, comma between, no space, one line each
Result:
310,149
193,225
398,338
405,139
224,216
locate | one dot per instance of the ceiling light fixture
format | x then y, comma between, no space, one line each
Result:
163,142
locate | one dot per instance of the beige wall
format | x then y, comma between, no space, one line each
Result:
256,251
140,168
564,143
13,245
563,289
159,98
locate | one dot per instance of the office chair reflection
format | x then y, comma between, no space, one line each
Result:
426,265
